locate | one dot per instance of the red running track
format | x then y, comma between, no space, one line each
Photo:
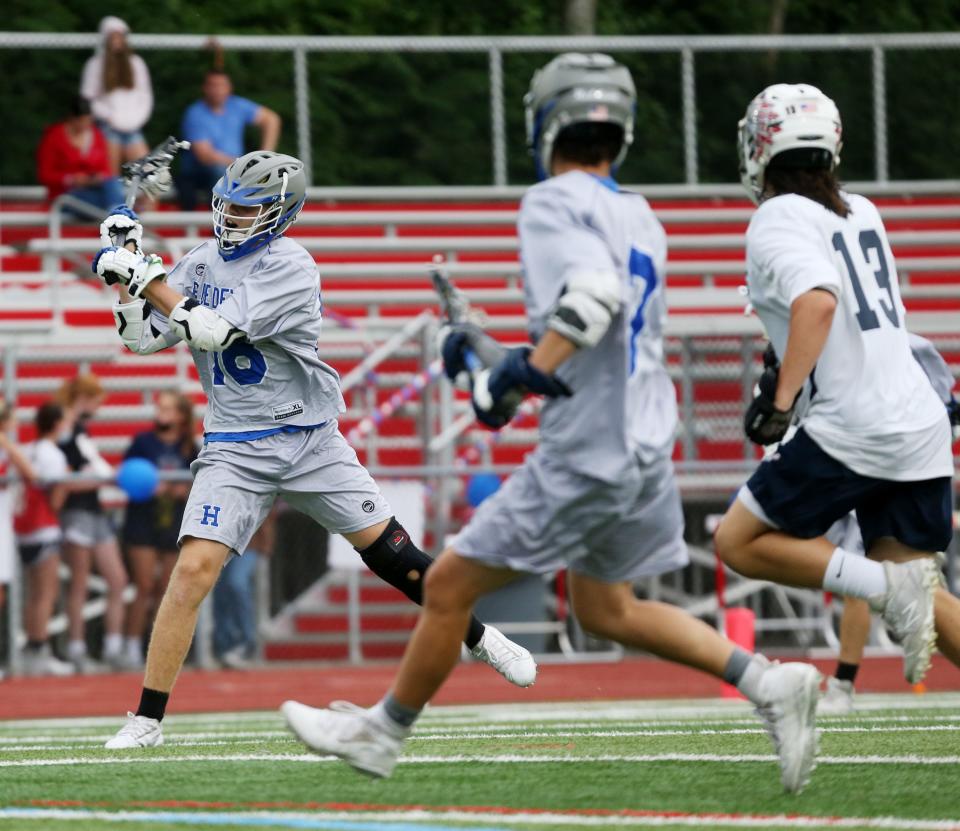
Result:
198,691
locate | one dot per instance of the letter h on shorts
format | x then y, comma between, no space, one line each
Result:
211,515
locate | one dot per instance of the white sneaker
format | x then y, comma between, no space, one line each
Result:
788,695
236,658
907,610
837,699
511,660
42,661
139,731
356,735
83,664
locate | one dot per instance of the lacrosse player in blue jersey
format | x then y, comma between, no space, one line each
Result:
598,495
247,303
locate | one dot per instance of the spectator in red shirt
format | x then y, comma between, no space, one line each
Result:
73,158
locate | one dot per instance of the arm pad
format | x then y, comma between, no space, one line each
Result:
587,306
133,326
202,328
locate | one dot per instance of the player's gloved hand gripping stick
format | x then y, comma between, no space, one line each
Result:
763,423
121,261
498,377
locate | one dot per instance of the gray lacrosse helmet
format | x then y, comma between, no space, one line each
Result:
575,88
272,181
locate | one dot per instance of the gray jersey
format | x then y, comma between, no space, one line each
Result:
624,403
274,377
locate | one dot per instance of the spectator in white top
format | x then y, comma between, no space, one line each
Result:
39,537
116,82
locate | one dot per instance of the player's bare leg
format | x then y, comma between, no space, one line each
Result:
197,569
370,740
388,552
946,610
612,611
901,589
854,631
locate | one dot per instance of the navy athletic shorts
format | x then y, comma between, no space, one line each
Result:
803,491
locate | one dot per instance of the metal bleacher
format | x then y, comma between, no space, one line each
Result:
373,249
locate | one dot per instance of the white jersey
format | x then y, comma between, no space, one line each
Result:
624,404
273,379
871,406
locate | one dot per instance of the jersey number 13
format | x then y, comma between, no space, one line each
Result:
869,241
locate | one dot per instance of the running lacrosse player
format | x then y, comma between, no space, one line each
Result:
598,495
876,437
247,303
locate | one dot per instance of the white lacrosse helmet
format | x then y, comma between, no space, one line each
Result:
787,117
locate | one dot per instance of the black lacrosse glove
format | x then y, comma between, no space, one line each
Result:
953,410
763,423
498,392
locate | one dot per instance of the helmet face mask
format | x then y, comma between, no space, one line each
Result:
575,88
786,117
272,183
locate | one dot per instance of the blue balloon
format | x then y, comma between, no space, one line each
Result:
480,486
138,478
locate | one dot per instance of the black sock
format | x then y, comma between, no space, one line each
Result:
397,561
35,646
153,703
846,672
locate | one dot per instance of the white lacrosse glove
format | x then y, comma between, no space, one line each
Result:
118,266
121,227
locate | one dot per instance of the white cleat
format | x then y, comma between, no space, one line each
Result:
837,699
788,695
139,731
511,660
907,610
364,741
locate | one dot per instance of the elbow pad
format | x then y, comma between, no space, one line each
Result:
586,308
202,328
137,334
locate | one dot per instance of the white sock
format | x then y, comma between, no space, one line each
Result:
134,649
112,643
749,683
76,649
852,575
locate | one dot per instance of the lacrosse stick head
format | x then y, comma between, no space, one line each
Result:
150,174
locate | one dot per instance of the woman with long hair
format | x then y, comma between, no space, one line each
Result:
151,527
88,534
116,82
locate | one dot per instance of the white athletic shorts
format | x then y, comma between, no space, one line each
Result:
86,528
845,533
547,517
315,471
7,546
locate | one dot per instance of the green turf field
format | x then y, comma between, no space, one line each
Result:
894,764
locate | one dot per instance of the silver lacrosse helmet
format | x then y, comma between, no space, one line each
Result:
275,183
575,88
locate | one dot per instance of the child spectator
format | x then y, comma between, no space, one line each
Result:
88,534
116,82
72,158
38,540
214,125
151,528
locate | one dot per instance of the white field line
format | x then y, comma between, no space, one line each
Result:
851,723
406,819
539,712
506,758
225,739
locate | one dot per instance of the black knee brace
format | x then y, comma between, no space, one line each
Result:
397,561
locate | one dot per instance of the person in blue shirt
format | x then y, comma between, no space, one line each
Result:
151,527
214,126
